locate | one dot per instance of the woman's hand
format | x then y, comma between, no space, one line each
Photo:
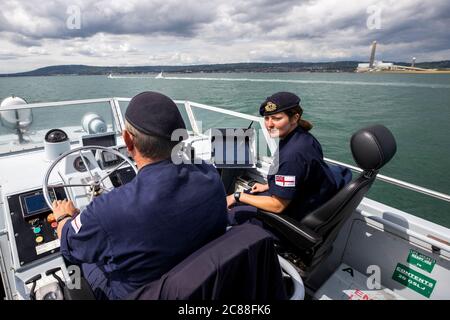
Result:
258,187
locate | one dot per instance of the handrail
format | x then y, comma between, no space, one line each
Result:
409,232
397,182
54,104
299,287
229,112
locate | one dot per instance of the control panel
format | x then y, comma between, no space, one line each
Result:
34,224
243,183
105,159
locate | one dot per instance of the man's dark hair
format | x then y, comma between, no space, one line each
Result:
153,147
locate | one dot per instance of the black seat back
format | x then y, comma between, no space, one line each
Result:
372,148
241,264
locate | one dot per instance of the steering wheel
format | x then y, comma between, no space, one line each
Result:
96,184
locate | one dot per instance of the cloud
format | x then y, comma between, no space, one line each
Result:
58,20
10,55
125,32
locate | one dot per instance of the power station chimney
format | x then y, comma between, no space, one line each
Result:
413,64
372,54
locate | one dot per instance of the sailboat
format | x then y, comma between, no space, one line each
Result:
160,76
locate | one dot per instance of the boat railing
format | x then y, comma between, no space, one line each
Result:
189,105
397,182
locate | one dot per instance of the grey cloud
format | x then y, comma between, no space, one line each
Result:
422,28
155,17
10,55
20,40
257,11
245,28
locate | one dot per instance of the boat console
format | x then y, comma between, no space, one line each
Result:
33,224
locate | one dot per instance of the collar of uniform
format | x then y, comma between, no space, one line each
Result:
291,134
154,164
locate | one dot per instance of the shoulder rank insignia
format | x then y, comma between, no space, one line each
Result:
270,106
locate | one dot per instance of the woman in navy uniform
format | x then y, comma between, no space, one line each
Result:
134,234
299,180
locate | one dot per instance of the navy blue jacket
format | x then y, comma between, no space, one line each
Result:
139,231
300,174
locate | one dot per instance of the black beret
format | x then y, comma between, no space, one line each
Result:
154,114
278,102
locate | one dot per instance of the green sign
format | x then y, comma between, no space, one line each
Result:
421,261
414,280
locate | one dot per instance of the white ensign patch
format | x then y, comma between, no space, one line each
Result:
285,181
76,223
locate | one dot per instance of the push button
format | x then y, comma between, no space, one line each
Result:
39,239
54,225
37,230
51,218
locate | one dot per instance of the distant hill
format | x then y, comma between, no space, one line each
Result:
338,66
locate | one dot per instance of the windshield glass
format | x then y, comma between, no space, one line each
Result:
25,129
209,119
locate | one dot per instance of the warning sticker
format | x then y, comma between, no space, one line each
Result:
414,280
421,261
45,247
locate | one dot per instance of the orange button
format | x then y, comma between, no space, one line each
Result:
54,225
39,239
51,218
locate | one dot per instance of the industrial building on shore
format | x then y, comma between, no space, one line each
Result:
380,66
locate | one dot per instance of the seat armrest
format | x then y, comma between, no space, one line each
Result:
301,236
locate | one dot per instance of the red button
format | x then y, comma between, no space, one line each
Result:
54,225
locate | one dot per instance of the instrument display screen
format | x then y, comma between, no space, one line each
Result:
102,139
35,204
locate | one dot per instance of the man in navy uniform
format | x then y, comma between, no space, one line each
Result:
139,231
299,180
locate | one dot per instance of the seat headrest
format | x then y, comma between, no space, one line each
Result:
373,147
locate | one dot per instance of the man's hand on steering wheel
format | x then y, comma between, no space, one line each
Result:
62,207
96,184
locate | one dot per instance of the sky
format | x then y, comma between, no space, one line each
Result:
38,33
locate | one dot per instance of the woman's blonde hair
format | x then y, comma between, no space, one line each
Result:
306,125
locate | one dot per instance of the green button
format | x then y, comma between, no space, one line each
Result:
37,230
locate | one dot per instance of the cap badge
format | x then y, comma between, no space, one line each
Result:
270,106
